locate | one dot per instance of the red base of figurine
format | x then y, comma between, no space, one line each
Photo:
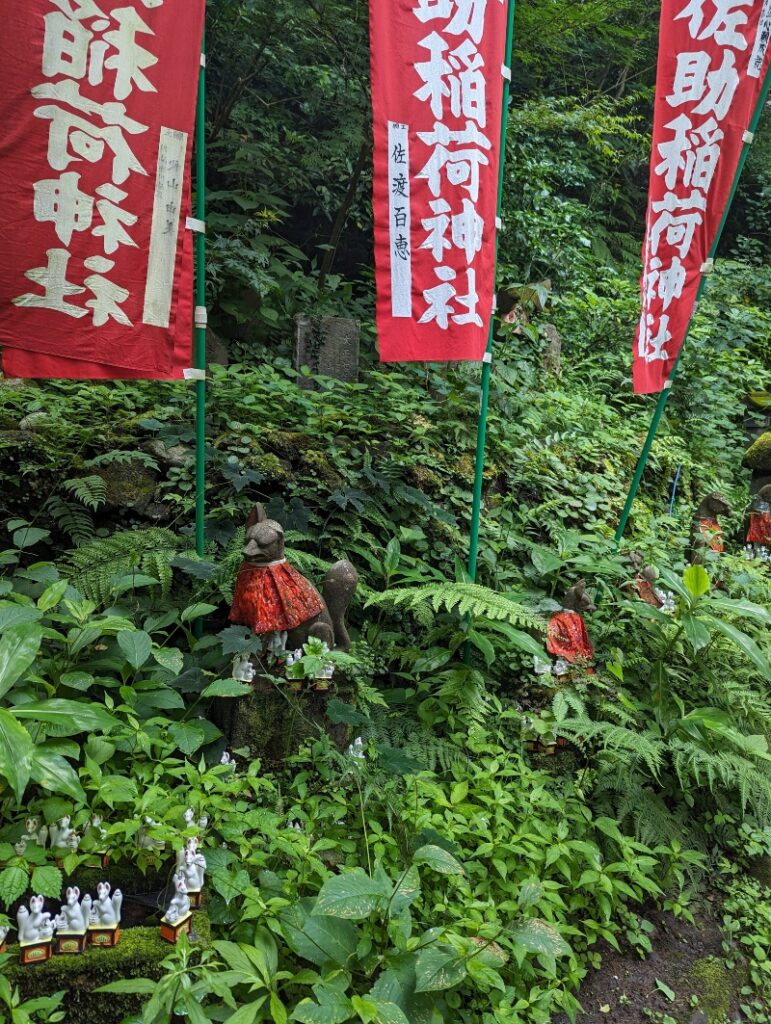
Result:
171,932
71,943
36,952
196,900
104,937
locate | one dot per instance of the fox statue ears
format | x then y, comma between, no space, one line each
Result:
257,515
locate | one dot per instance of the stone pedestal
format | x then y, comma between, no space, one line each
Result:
328,345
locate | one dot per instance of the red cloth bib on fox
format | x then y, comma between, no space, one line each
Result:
712,533
566,637
760,529
273,598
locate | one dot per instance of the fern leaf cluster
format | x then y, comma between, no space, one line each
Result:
465,598
95,565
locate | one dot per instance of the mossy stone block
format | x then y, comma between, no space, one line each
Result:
758,456
716,988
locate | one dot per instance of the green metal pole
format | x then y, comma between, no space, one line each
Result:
476,511
199,350
200,315
661,405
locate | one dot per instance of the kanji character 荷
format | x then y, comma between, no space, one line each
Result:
53,280
60,201
461,165
724,26
678,229
694,150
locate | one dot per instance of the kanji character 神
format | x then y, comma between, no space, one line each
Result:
724,26
53,280
462,165
696,83
678,229
665,283
437,226
694,150
60,201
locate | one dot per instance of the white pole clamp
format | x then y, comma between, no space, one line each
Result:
506,72
201,317
498,224
748,137
708,266
667,385
193,224
192,374
487,357
203,60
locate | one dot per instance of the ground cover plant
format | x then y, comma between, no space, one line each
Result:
398,850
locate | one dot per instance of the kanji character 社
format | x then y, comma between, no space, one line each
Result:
130,60
665,283
107,295
60,201
724,26
461,165
470,301
650,347
114,219
694,151
438,299
53,280
713,90
678,229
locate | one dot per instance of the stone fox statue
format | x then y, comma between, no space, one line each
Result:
272,597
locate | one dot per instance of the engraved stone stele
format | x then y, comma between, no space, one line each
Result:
328,345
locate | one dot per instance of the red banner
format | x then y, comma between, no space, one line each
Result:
97,102
437,94
713,58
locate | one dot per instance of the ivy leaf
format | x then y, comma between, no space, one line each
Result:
438,968
352,896
438,859
13,884
137,647
47,881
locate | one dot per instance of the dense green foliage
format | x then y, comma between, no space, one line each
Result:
440,869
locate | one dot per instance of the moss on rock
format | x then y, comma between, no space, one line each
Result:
715,987
758,456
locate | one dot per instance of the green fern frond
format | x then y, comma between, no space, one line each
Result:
123,458
90,491
74,521
96,564
466,598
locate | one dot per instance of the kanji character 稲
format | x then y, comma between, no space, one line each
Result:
724,26
402,247
721,88
467,230
665,283
427,10
650,347
694,151
678,229
73,138
461,165
108,296
433,72
60,201
438,299
114,219
470,301
131,60
437,240
53,280
468,88
469,17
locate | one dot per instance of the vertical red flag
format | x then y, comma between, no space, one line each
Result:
97,100
437,94
713,58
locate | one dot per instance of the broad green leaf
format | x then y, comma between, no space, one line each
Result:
77,680
137,647
673,582
227,688
530,893
249,1012
170,658
73,715
28,536
320,940
745,643
459,793
99,750
188,736
16,753
696,578
666,990
51,596
57,775
397,762
12,614
438,859
197,611
47,881
407,891
696,632
130,986
13,884
745,609
388,1013
352,895
540,937
438,968
19,647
